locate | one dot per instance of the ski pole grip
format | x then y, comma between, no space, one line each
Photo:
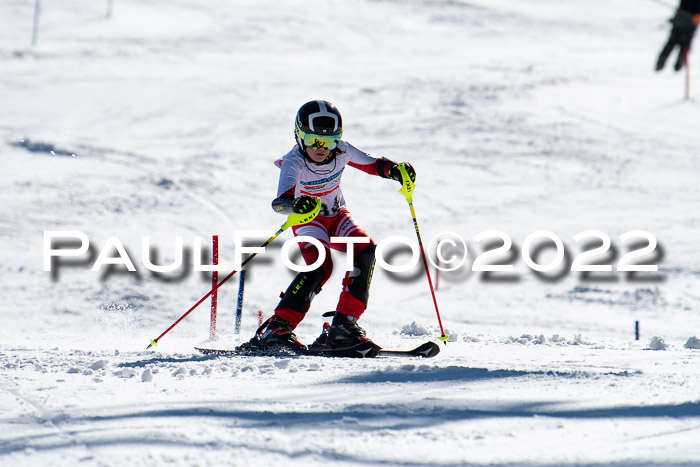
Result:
298,218
407,184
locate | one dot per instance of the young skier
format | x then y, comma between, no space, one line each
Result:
312,171
685,22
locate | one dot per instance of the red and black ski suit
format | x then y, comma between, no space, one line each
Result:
300,176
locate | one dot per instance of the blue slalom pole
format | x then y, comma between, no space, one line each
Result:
239,306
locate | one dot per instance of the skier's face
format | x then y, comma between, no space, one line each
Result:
318,155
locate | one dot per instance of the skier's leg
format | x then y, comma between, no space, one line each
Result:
666,51
355,294
296,300
680,60
344,329
684,39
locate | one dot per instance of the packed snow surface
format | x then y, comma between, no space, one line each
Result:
520,116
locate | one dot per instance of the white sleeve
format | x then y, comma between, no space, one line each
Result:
357,156
288,177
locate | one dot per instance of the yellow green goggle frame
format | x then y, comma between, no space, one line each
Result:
312,140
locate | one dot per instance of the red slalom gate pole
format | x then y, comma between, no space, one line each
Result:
214,281
292,219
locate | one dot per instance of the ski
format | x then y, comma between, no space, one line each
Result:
362,350
427,350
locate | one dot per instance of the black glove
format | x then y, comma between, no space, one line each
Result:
304,204
396,174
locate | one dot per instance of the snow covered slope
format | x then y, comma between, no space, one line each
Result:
164,120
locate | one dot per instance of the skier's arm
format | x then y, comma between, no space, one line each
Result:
283,205
386,169
379,167
301,205
286,202
382,167
286,188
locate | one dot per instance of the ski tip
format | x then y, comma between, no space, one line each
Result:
427,350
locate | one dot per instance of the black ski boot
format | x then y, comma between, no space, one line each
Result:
323,338
345,332
343,338
276,332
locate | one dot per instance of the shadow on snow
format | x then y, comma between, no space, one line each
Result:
358,417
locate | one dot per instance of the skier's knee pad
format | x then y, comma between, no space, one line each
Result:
311,255
302,290
358,280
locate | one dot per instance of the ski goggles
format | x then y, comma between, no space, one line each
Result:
312,140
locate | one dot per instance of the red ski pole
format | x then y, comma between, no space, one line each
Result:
293,219
407,191
214,282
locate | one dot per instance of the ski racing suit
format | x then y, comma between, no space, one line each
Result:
300,176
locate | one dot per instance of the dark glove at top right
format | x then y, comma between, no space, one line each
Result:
396,174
